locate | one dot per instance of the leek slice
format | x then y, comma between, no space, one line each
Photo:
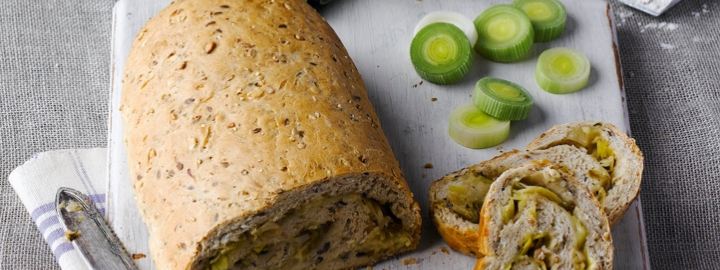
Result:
454,18
547,17
441,53
502,99
505,33
562,71
472,128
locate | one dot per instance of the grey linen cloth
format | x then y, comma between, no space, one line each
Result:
672,82
54,82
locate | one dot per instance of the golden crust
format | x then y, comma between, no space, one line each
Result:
479,264
462,240
484,231
226,105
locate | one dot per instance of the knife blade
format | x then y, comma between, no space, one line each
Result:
89,233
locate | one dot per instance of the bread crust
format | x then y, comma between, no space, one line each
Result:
479,264
629,163
461,239
227,105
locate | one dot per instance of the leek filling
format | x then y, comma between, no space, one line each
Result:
302,238
590,138
466,195
537,248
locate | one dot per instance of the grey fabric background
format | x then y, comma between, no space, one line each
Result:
672,82
54,81
54,78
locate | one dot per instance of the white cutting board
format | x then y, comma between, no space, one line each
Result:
377,35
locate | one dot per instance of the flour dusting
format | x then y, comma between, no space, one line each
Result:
667,46
665,26
623,15
704,9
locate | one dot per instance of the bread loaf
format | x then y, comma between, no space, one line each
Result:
253,145
539,217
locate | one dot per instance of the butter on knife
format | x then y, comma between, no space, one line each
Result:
89,233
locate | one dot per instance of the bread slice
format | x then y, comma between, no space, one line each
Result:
617,152
458,222
253,144
539,217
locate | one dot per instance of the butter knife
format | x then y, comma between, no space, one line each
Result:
89,233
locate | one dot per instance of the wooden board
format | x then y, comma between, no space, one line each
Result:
377,35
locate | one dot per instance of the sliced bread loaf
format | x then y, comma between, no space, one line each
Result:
457,198
610,146
539,217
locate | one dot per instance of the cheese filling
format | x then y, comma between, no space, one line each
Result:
466,195
539,207
590,138
319,233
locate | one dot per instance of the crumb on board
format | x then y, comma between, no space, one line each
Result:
434,252
444,250
138,256
428,165
433,99
72,235
409,261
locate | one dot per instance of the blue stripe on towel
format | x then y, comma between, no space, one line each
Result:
35,214
55,235
42,209
47,223
62,249
52,219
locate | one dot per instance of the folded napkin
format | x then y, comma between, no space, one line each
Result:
37,181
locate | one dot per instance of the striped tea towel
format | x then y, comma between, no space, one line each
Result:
39,178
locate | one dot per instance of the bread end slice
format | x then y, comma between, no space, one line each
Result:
459,233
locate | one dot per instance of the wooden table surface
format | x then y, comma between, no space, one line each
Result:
377,35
